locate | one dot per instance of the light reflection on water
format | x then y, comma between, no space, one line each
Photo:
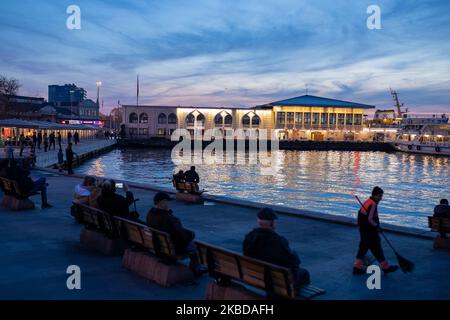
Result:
320,181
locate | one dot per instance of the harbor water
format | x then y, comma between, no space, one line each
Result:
321,181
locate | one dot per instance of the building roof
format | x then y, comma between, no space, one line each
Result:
18,123
314,101
189,107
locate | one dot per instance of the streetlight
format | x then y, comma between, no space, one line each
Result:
71,102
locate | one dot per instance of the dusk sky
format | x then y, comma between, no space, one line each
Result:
232,53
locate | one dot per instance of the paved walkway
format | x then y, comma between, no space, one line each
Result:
37,246
46,159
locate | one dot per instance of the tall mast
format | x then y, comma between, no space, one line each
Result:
397,103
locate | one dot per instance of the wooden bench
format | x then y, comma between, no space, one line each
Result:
14,197
232,271
152,254
100,231
441,225
188,192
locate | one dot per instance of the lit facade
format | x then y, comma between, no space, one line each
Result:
300,118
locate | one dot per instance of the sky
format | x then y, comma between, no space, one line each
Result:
232,53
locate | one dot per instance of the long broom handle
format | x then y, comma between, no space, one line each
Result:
381,230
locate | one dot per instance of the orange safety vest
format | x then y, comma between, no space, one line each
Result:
363,213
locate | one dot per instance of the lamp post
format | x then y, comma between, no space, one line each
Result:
71,104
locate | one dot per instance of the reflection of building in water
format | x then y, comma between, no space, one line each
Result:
302,118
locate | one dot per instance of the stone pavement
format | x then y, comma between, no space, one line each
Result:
37,246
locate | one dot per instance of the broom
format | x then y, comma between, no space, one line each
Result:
405,264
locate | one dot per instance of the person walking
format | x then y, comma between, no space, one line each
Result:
21,143
52,140
34,138
76,137
58,136
69,158
369,225
60,160
45,142
69,137
39,140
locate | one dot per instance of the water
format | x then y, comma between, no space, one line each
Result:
321,181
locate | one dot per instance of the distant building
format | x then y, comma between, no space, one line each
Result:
65,96
304,118
381,115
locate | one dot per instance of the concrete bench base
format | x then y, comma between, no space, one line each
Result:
101,243
441,243
232,291
150,267
188,197
17,204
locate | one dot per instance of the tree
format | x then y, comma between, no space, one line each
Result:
8,87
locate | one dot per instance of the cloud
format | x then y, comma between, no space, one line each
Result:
242,53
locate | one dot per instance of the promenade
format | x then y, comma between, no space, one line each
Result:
49,158
37,246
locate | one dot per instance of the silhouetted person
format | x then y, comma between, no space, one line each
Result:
45,142
69,137
34,138
160,217
69,158
60,159
76,137
58,136
113,203
52,140
39,140
27,185
442,210
263,243
191,176
21,143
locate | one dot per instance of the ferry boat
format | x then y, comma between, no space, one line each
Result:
427,134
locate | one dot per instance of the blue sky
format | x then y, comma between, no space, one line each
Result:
232,53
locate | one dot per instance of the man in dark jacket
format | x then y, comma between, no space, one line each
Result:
113,203
160,217
442,210
191,176
69,158
263,243
27,185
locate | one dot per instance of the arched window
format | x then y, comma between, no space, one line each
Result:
256,120
162,118
133,118
172,118
200,119
143,118
190,119
218,120
228,120
246,120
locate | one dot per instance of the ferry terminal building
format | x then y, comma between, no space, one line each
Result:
305,117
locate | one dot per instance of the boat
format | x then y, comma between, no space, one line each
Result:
426,134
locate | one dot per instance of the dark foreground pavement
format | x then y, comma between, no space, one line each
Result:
37,246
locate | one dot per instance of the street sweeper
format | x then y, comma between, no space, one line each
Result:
369,229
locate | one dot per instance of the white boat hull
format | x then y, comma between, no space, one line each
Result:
415,147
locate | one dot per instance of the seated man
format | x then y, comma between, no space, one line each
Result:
83,190
442,210
178,177
191,176
160,217
113,203
27,185
263,243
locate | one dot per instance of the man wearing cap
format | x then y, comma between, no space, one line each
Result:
161,217
263,243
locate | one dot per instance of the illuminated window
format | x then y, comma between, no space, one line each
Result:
307,118
349,119
332,118
281,118
341,118
324,119
290,117
298,119
315,118
143,118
